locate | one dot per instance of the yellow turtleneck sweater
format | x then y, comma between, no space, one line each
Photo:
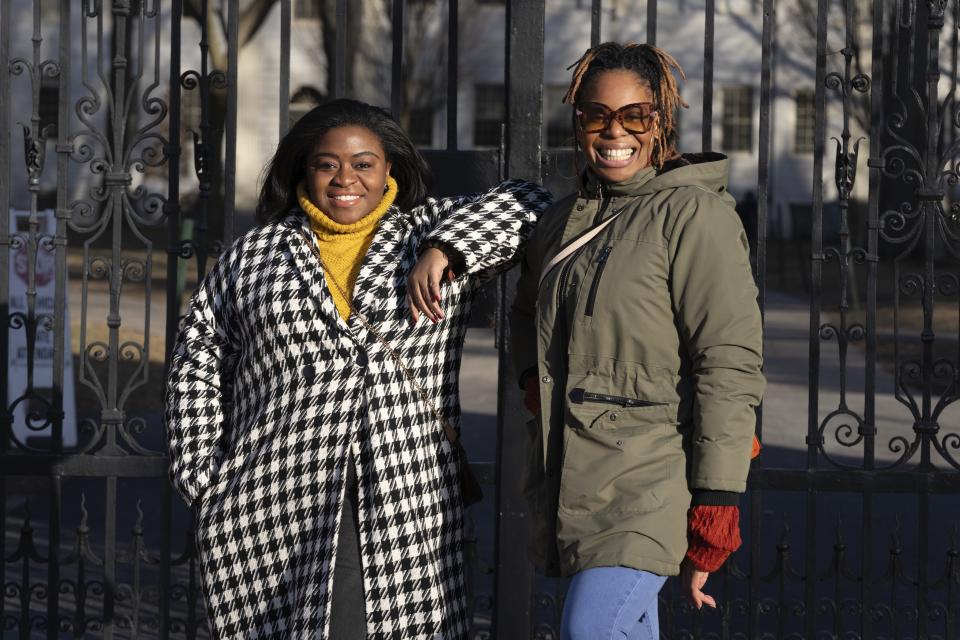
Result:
343,246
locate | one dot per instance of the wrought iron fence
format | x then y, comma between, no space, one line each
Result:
98,233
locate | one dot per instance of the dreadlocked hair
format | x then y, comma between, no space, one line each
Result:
649,63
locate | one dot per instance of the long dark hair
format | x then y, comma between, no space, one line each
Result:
288,166
649,63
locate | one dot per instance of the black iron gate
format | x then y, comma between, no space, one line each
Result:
101,126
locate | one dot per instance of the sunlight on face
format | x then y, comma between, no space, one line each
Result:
346,173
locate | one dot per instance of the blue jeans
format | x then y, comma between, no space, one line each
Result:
612,603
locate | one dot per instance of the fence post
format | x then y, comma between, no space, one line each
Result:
524,84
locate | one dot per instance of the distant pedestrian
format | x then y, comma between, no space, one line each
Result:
307,406
637,338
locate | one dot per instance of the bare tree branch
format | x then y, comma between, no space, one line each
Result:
252,18
191,9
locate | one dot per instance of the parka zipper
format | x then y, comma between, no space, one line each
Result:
565,271
601,265
565,274
589,396
561,288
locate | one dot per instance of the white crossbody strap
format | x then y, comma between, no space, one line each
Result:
575,244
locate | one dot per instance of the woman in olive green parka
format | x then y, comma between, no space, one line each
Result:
640,351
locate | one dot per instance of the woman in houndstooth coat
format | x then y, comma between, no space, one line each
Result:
284,412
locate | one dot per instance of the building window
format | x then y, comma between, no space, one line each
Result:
556,116
806,118
302,101
306,9
737,118
420,129
488,114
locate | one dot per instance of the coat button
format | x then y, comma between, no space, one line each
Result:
613,416
579,207
545,379
307,372
361,359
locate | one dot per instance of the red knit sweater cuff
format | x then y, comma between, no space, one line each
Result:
713,533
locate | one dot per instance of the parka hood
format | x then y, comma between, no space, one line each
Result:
708,171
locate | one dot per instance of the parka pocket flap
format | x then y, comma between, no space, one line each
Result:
581,396
591,410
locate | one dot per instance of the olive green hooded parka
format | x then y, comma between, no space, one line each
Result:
647,346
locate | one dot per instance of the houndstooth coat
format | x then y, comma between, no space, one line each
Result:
270,393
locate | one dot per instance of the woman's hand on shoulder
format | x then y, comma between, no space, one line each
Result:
423,285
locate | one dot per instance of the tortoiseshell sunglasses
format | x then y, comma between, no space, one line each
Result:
595,117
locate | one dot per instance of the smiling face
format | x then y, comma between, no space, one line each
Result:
615,154
346,173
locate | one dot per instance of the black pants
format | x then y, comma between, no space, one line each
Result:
348,620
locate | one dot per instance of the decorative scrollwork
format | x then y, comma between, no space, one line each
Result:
40,414
94,433
17,241
893,224
84,216
896,165
133,269
65,624
49,69
218,80
911,370
856,332
20,66
950,441
128,432
828,331
131,352
847,432
149,212
911,284
47,243
944,370
860,83
100,268
187,249
86,107
947,284
17,320
190,79
96,588
97,352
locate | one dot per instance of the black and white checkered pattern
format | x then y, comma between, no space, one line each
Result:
271,392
